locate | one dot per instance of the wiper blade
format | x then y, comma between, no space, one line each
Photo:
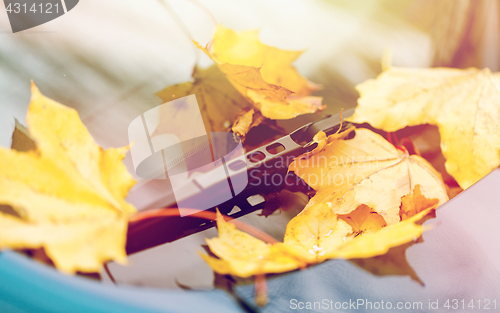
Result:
260,163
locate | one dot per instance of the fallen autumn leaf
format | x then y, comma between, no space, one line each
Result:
68,193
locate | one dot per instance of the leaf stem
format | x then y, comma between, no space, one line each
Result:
261,297
183,27
109,273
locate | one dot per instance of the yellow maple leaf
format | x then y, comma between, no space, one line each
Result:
367,170
463,104
243,255
312,237
263,74
68,193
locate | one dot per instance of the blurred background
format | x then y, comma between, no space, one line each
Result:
108,58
